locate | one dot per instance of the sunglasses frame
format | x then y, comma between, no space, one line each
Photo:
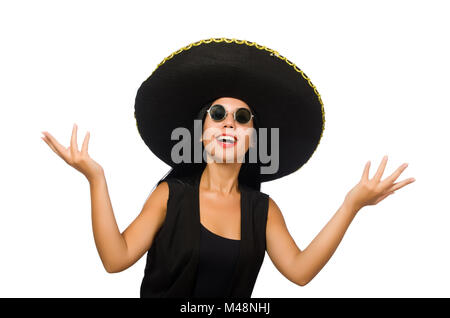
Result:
234,114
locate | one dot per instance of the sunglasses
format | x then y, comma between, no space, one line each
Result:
218,113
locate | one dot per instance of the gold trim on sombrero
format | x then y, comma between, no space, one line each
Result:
260,47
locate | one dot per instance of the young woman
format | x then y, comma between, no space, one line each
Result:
206,226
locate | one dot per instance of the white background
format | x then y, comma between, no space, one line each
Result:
381,69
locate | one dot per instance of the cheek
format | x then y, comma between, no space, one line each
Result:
209,132
247,140
246,135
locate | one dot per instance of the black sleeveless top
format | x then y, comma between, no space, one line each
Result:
218,256
175,264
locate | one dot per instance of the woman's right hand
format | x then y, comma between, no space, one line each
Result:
80,160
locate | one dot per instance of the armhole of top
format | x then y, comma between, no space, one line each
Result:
265,208
174,187
170,196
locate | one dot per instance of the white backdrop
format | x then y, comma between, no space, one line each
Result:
381,69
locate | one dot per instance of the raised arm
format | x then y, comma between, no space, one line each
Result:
117,251
301,267
298,266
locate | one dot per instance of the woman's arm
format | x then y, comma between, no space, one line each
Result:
302,266
309,262
298,266
119,251
110,244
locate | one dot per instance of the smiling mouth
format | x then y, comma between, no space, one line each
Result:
226,140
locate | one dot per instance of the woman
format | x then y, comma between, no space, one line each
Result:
207,226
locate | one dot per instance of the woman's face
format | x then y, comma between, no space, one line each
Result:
243,134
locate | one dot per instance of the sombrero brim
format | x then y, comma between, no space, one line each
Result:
278,92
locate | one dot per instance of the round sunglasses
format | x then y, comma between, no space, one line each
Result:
218,112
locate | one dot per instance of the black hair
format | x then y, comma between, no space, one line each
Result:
248,173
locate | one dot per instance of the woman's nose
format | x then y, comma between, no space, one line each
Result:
229,120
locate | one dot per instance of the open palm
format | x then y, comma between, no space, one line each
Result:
80,160
371,192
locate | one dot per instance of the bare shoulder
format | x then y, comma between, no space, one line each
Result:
159,197
274,214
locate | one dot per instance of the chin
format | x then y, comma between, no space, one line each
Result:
230,158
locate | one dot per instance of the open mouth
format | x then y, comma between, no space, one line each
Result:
226,140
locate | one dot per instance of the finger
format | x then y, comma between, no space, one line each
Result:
401,184
396,174
73,141
365,175
380,170
50,145
84,147
60,149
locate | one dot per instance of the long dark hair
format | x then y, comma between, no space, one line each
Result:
248,173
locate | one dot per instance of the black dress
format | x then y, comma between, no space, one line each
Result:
218,256
173,259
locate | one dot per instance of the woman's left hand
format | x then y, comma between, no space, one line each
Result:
370,192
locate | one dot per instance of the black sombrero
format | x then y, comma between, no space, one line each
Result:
278,92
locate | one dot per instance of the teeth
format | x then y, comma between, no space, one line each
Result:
226,139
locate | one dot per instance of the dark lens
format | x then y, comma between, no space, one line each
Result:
217,112
243,115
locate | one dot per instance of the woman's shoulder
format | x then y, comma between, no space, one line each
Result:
172,182
177,185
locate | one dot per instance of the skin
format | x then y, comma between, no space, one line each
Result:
220,206
218,190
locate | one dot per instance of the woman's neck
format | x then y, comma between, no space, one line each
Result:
221,178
